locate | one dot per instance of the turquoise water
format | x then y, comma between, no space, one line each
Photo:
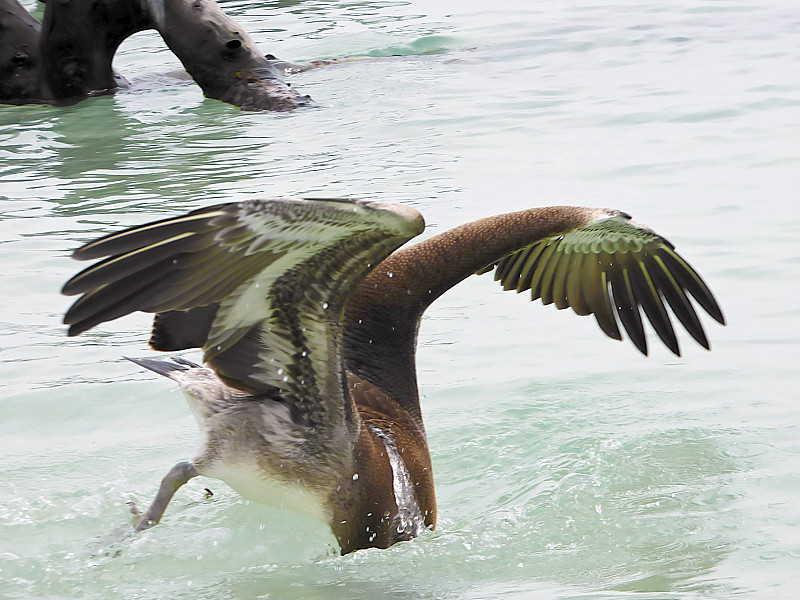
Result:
567,465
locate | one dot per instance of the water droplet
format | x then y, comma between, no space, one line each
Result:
325,306
390,274
304,354
355,476
280,371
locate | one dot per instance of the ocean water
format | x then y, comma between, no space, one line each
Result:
567,465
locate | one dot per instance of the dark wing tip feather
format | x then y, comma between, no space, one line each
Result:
648,296
675,296
79,328
628,311
694,284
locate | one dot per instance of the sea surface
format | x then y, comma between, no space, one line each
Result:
568,466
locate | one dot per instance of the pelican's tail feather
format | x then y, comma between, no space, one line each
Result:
163,367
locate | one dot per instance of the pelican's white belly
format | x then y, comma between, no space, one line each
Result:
252,483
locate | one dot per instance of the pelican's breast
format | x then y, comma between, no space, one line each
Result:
246,477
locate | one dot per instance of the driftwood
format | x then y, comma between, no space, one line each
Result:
68,58
19,55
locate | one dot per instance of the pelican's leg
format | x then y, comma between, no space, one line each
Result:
177,476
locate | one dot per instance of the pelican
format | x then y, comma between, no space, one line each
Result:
307,315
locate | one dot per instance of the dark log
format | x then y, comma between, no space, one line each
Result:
221,57
79,39
72,57
19,55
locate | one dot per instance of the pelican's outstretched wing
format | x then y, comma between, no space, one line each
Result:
639,266
259,285
596,261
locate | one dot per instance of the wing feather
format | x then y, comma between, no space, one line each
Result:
503,267
565,264
119,266
136,238
511,278
531,256
575,296
548,275
628,309
677,300
596,289
649,298
109,302
542,261
690,281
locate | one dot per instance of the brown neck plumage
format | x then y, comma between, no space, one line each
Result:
383,315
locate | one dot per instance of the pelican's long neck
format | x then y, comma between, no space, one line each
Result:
382,317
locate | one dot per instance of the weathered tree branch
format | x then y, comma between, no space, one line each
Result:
220,56
19,55
71,57
79,39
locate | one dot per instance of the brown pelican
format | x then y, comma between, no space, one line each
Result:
307,315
